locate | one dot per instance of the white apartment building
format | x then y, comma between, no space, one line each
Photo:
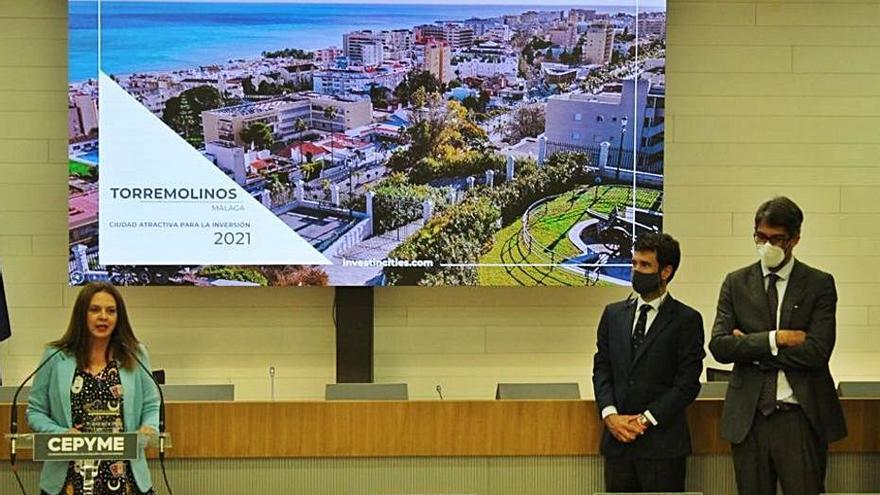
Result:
652,26
224,125
357,79
598,44
585,121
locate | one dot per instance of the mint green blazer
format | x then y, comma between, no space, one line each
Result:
49,411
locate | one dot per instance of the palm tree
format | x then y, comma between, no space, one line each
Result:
330,113
300,126
325,186
258,134
357,177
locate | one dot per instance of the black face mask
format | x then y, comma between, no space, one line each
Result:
645,283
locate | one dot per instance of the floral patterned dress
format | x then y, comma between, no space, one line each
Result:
96,402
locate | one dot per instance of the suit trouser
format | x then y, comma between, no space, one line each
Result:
623,474
781,447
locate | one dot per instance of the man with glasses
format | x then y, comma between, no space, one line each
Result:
776,324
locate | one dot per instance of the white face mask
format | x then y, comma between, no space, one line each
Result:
771,256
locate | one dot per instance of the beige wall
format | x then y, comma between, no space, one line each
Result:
764,98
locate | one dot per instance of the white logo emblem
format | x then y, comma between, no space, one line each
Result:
77,385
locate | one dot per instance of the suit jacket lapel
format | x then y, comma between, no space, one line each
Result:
66,370
661,322
758,295
628,317
793,291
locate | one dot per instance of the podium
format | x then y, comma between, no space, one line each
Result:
86,446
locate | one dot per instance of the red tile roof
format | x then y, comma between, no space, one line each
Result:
82,209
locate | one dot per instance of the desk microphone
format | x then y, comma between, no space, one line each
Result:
272,382
439,390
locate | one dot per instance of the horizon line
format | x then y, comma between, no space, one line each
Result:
534,4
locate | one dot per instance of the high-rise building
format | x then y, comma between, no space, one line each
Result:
353,44
398,44
87,112
598,44
652,26
455,35
580,15
427,32
550,16
459,36
564,36
372,54
481,26
438,59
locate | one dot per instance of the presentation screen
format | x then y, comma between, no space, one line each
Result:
301,143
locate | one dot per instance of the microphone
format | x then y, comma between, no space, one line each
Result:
161,414
439,390
13,413
272,382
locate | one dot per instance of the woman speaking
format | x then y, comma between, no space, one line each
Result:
94,384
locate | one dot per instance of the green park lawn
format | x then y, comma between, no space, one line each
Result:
78,169
550,227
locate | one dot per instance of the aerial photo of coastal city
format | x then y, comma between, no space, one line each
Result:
417,143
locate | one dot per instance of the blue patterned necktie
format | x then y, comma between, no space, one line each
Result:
639,332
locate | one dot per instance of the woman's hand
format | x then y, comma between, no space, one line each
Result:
72,431
147,430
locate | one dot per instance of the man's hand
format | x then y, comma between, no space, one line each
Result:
790,338
784,338
625,428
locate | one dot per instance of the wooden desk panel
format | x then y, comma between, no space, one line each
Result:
431,428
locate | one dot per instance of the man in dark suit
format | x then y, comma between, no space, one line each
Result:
645,373
776,323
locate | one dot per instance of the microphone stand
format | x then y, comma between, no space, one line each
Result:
161,418
13,420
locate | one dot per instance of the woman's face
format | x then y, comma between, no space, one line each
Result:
101,318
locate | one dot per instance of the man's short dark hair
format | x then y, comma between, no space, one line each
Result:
781,212
666,247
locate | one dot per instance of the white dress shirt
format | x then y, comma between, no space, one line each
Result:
652,315
784,393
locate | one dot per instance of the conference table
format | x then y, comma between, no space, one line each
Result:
205,430
432,447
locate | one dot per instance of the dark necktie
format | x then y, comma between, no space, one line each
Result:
767,400
639,332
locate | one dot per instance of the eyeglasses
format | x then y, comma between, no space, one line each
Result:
776,240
